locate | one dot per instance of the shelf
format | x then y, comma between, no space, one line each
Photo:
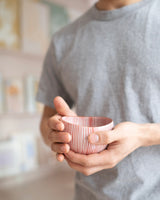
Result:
31,176
18,53
58,185
25,177
19,64
20,115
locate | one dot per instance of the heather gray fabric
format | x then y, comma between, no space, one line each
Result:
107,63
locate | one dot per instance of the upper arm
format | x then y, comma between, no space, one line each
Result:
48,112
50,84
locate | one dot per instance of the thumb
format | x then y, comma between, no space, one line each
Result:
103,137
62,107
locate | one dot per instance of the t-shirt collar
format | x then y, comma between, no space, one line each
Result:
104,15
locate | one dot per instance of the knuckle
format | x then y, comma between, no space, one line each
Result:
57,148
62,137
50,122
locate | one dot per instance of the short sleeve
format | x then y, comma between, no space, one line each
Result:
50,84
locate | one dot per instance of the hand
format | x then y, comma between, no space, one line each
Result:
122,140
59,139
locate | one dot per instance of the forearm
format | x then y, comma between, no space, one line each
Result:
44,128
150,134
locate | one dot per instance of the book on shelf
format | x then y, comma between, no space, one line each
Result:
31,87
1,95
14,96
18,95
30,103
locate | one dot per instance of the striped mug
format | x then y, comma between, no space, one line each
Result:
81,127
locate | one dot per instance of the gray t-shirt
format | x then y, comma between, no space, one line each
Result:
107,63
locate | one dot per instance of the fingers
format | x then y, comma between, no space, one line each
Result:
60,148
92,160
57,138
55,123
59,141
61,137
87,171
60,157
62,107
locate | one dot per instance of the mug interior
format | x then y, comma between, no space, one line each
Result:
88,121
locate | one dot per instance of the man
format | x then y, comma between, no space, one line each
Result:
107,63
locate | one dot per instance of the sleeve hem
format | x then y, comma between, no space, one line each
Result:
44,99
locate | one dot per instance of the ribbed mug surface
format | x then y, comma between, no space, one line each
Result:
81,127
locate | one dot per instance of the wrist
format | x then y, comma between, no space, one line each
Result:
150,134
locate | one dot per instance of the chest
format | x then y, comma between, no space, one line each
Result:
131,57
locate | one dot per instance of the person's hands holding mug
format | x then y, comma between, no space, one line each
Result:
58,138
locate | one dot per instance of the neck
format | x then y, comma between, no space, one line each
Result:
114,4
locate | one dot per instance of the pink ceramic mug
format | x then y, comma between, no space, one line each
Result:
81,127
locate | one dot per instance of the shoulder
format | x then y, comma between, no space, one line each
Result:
72,28
65,37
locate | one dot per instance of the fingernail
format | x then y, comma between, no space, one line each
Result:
60,126
94,138
65,149
69,137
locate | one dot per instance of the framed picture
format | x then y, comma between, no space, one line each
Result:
9,24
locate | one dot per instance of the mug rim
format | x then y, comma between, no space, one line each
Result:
110,123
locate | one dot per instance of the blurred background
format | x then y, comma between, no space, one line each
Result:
28,169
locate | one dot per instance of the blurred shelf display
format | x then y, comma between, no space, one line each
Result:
31,32
59,16
24,39
18,95
52,182
19,54
20,116
18,153
9,24
22,152
29,176
21,147
14,97
34,27
1,95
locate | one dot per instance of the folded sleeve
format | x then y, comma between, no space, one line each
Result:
50,84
